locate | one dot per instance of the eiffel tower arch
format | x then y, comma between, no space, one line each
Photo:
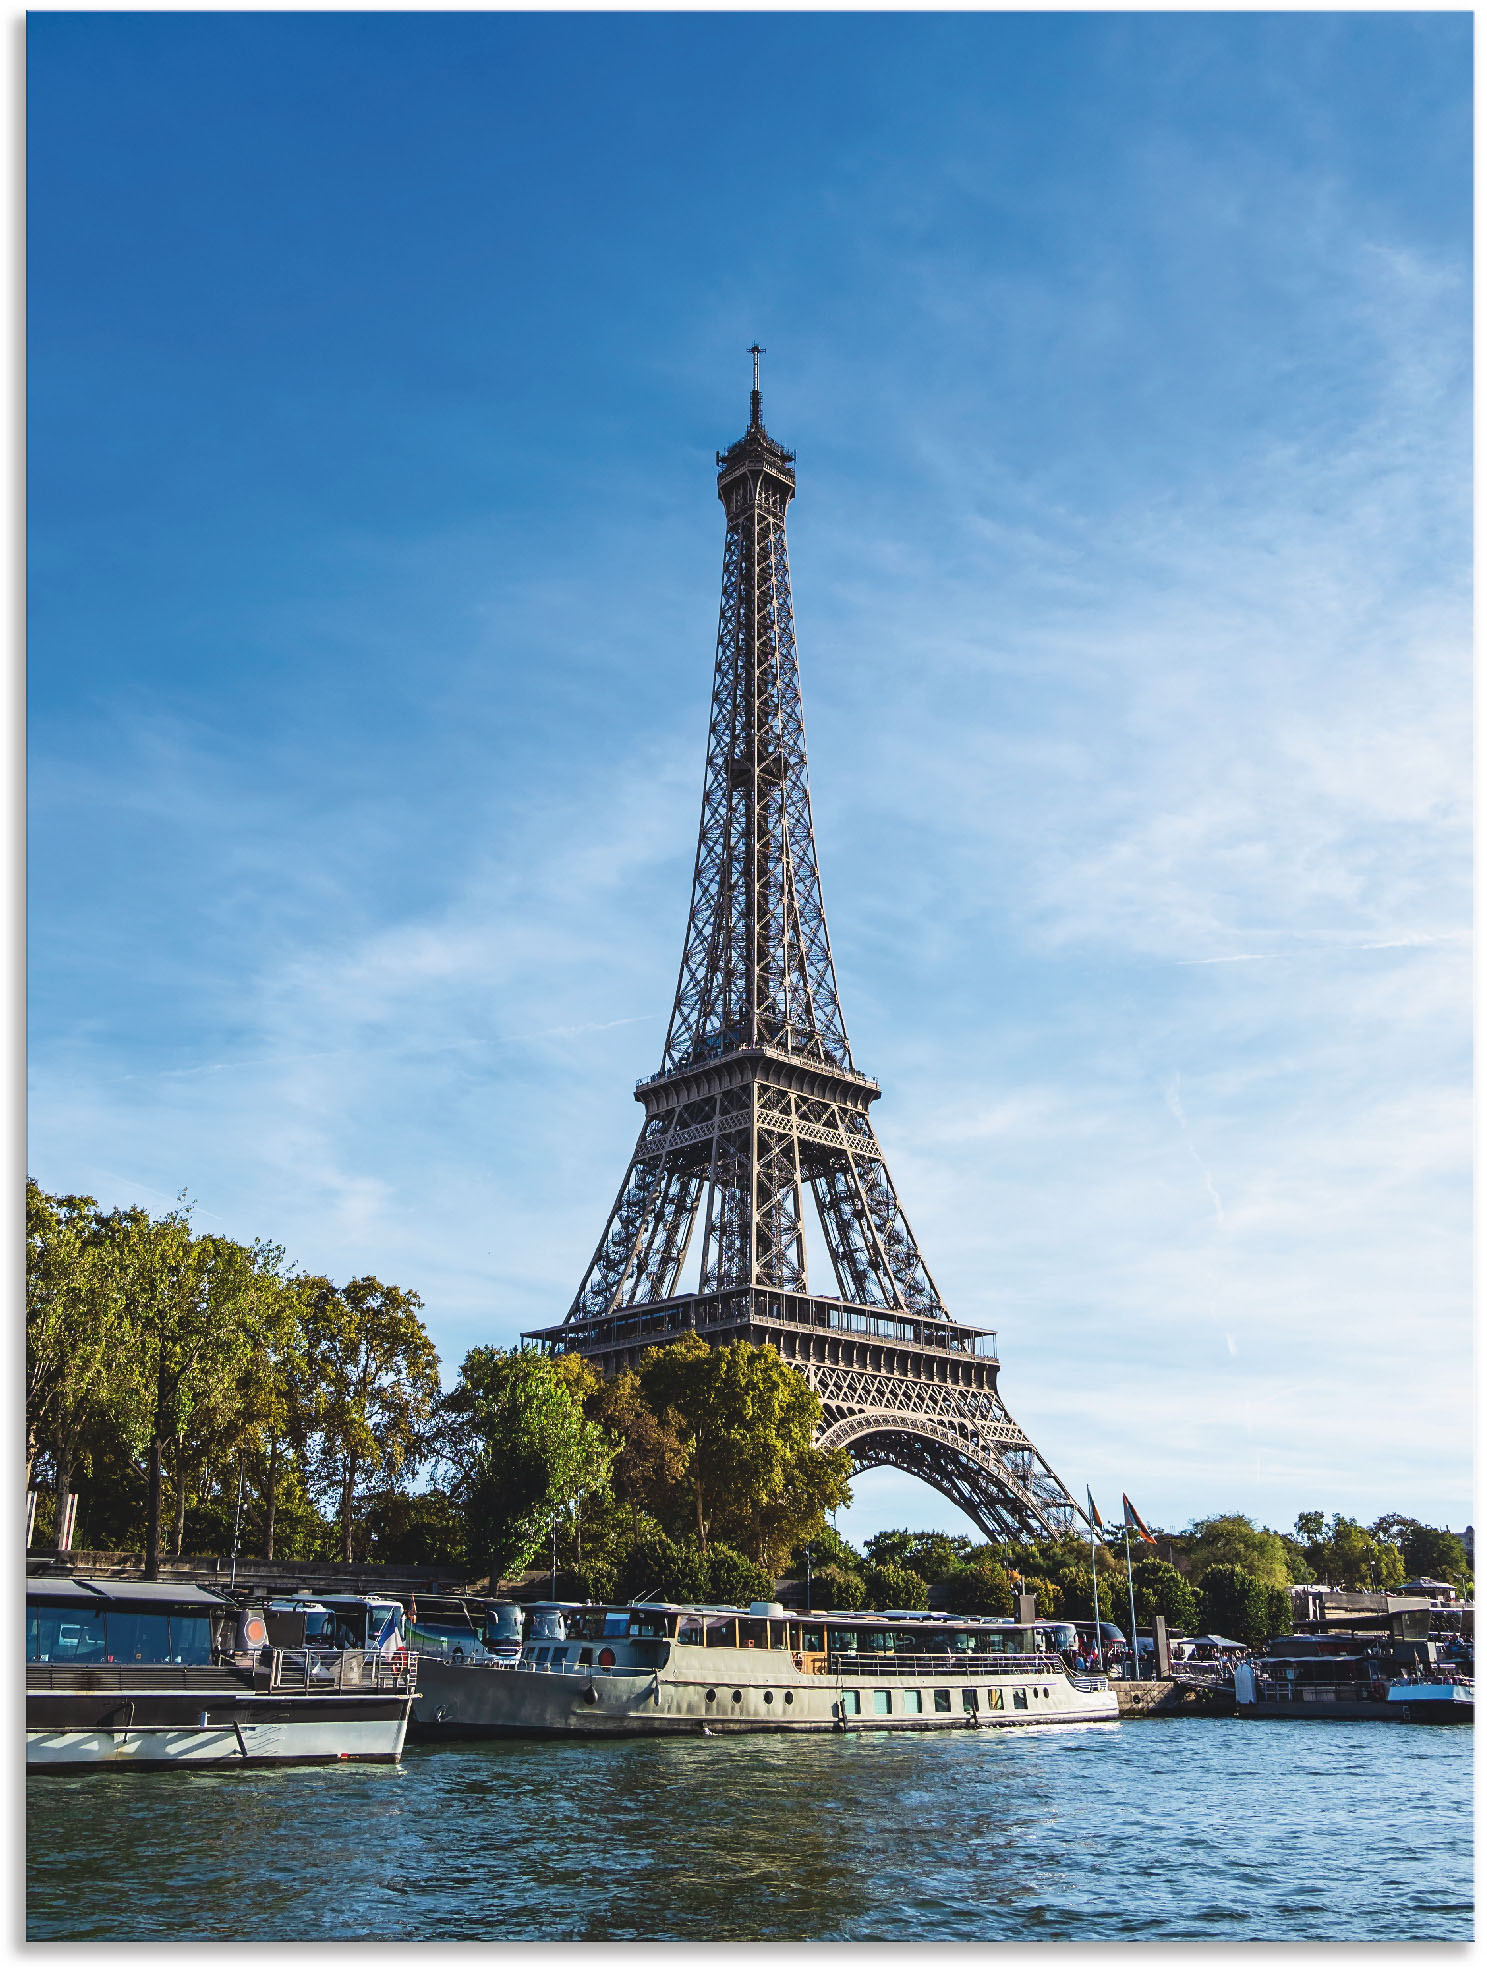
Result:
759,1103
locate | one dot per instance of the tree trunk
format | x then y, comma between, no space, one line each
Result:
701,1527
152,1530
348,1491
178,1535
271,1496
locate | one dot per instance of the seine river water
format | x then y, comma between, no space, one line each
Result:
1174,1830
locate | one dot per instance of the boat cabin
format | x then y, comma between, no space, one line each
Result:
95,1622
581,1638
464,1629
335,1623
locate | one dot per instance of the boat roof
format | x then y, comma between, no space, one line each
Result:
795,1613
136,1592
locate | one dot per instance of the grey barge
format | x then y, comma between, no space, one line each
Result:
712,1670
156,1676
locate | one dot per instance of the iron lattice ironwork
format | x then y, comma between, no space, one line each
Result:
758,1101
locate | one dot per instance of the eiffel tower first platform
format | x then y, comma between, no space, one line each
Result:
758,1100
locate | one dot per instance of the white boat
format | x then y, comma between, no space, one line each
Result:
699,1670
1432,1701
156,1674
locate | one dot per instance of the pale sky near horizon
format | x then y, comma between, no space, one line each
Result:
376,368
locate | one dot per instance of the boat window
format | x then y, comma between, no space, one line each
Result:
879,1642
779,1634
543,1655
844,1639
970,1701
138,1637
851,1702
722,1631
559,1655
882,1701
65,1633
616,1626
689,1630
973,1643
191,1639
586,1657
647,1626
913,1702
813,1640
942,1701
753,1633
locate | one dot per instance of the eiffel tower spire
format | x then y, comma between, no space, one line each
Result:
758,1103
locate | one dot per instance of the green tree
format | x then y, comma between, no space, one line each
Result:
1161,1588
982,1587
189,1304
733,1579
895,1586
753,1475
837,1588
1424,1551
1235,1604
932,1554
74,1326
1236,1540
378,1380
522,1453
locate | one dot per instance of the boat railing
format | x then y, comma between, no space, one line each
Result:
313,1671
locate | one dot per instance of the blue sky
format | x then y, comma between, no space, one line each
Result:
377,363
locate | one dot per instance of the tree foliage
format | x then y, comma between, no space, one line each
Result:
522,1453
745,1421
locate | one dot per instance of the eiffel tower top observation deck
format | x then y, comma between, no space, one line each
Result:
758,1102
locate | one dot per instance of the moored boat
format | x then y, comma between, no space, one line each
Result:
154,1675
695,1670
1432,1701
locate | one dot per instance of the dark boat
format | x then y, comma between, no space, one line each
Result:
154,1675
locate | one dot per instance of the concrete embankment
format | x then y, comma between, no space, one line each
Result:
1142,1701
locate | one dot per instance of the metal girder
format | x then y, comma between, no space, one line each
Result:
758,1101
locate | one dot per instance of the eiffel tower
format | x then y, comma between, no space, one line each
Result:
758,1099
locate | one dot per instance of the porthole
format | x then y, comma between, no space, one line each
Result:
789,1697
738,1694
712,1694
606,1657
768,1695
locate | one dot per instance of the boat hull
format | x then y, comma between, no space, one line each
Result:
219,1717
723,1698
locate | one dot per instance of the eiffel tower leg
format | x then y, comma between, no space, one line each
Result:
960,1440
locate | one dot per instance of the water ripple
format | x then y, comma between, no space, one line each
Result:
1197,1830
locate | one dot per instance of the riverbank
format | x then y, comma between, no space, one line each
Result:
1142,1701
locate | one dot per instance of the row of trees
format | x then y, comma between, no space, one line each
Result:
195,1389
162,1364
1224,1574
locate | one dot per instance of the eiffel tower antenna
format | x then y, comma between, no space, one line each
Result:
758,1104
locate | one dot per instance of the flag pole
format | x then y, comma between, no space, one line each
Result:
1131,1588
1096,1523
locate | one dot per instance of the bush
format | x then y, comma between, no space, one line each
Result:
897,1586
1279,1619
837,1589
733,1580
660,1567
983,1588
